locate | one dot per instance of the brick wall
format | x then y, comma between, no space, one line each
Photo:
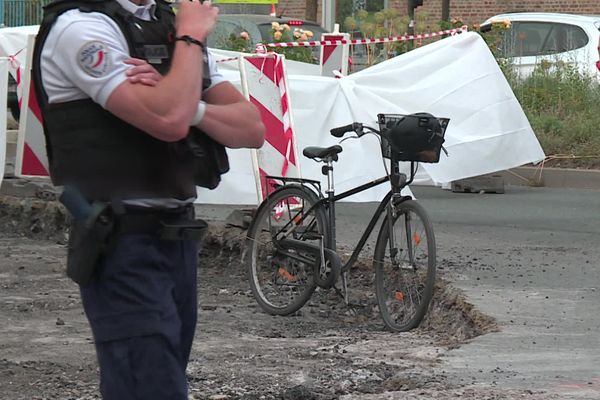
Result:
292,8
472,11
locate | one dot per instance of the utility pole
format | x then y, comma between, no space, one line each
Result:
446,10
328,15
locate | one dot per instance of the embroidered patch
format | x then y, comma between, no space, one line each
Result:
93,58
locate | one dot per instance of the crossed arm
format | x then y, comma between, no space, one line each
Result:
229,118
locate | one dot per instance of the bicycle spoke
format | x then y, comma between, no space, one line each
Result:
405,269
282,279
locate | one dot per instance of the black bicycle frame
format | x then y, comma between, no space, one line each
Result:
329,203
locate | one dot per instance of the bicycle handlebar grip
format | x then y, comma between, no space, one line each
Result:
339,132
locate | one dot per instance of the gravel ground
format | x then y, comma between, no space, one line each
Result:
325,351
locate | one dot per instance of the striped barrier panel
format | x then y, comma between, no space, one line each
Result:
264,83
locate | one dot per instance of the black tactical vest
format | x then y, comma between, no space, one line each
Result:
104,156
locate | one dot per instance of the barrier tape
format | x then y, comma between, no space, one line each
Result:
370,41
222,60
261,48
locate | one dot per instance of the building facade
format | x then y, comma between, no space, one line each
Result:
470,11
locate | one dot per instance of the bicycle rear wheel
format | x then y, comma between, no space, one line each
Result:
404,265
283,279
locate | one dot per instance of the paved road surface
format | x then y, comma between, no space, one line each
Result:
530,258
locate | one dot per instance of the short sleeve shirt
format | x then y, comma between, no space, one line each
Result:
83,56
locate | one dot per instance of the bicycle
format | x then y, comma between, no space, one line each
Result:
291,241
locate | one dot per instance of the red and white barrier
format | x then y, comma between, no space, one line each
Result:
334,58
264,83
31,159
3,136
313,43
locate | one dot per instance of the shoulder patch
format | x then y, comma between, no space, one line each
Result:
93,58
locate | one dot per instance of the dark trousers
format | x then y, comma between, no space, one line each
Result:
142,308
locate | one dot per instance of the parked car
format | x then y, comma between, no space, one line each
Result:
537,37
258,28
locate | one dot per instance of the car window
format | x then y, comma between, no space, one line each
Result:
221,36
542,38
266,32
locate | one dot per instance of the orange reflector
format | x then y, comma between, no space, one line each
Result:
399,296
417,238
286,275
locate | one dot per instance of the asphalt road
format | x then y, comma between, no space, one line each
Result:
529,258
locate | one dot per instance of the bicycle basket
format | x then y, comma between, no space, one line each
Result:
415,137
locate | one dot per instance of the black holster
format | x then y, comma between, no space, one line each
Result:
89,241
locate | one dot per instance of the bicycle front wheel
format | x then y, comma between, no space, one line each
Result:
283,279
405,262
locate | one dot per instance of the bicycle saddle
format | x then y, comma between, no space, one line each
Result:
315,152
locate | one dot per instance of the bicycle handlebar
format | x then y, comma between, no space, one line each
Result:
353,127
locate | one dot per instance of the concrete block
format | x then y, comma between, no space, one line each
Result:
478,184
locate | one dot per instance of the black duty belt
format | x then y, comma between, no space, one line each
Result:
171,224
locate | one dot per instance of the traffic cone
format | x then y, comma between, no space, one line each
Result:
273,11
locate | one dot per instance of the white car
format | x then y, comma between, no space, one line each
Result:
552,37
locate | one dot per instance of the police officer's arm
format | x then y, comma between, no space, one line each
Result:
230,119
165,110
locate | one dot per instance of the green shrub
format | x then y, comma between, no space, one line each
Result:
562,107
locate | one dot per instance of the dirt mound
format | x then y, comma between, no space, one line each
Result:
451,319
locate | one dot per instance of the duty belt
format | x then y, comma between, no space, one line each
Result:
170,224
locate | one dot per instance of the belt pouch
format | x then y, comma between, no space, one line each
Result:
185,230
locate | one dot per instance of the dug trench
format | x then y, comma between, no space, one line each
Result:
325,351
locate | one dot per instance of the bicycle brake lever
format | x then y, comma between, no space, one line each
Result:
358,128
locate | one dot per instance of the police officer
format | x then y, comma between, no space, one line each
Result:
125,88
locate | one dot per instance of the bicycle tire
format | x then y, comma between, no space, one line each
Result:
282,285
404,290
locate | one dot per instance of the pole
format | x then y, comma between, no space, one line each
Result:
328,17
411,23
446,10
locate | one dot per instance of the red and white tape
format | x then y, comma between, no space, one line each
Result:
261,47
222,60
370,41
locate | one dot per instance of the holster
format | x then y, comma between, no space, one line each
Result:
89,240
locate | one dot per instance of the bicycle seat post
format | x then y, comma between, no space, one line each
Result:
327,169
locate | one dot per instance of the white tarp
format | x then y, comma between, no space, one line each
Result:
457,78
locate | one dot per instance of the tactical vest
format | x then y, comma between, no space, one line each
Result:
104,156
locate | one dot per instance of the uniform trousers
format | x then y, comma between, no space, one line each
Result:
142,308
